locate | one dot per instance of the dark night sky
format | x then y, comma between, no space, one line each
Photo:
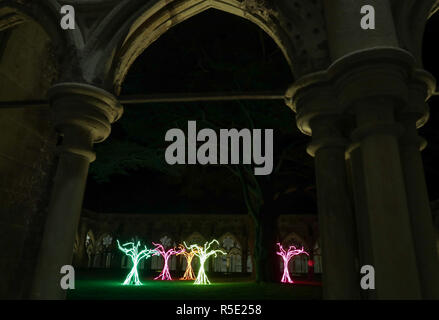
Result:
217,52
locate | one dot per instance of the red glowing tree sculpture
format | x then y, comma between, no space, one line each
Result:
286,256
165,275
189,255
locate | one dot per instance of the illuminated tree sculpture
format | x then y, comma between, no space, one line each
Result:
203,253
165,275
286,256
132,250
189,255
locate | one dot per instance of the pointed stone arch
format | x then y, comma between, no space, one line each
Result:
195,238
157,17
294,239
166,239
237,243
45,15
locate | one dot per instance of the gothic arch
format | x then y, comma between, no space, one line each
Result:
90,247
237,244
45,15
166,239
294,239
194,238
91,236
157,17
103,236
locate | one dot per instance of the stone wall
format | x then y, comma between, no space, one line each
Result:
26,154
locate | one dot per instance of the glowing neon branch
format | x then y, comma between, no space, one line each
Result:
286,256
203,253
189,255
132,250
165,275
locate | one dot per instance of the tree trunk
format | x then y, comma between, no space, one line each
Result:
266,264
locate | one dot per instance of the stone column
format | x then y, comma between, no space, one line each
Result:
391,237
82,114
317,115
417,196
336,217
372,86
244,256
81,260
356,174
345,35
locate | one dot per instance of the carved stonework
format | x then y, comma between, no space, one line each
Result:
305,24
10,20
110,34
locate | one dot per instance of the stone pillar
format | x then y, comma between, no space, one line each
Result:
417,196
356,174
391,237
244,255
369,88
345,35
336,217
82,114
372,86
81,260
317,115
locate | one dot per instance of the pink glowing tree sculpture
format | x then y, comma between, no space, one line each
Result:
286,256
189,255
165,275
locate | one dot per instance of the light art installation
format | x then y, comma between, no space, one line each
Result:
189,255
203,253
286,256
165,275
132,250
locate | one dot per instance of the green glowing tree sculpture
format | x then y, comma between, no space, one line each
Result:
132,250
203,253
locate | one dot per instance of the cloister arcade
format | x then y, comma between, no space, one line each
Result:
95,244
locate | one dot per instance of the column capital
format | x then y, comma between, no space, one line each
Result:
409,121
363,74
83,114
421,87
310,97
416,112
327,133
360,83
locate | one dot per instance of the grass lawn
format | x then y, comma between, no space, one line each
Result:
102,284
